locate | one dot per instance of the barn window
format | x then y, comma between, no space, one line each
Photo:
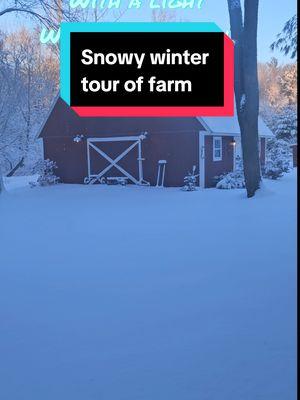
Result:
217,148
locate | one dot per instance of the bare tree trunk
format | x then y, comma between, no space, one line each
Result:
244,34
19,165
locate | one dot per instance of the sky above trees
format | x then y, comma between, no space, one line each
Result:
272,17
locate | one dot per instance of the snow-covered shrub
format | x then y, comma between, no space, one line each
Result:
232,180
278,159
190,181
271,171
46,176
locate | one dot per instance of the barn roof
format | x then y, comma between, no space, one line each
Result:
230,125
62,121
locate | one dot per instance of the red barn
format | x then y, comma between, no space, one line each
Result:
92,150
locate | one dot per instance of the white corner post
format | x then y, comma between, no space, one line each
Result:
161,173
140,159
234,153
202,159
88,159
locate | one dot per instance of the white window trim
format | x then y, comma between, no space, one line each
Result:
217,138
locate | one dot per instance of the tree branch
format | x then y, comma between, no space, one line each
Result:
45,21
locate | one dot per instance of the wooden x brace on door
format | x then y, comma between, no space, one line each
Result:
137,141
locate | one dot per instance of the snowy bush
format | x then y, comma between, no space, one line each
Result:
45,170
278,159
271,171
232,180
190,181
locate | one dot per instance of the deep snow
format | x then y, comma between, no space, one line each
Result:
130,293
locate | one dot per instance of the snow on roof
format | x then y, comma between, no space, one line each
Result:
221,125
230,125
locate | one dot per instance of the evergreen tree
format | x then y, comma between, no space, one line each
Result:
279,158
287,39
190,181
286,124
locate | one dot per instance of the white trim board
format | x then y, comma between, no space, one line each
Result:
201,150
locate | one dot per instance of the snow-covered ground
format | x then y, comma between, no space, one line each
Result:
113,293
